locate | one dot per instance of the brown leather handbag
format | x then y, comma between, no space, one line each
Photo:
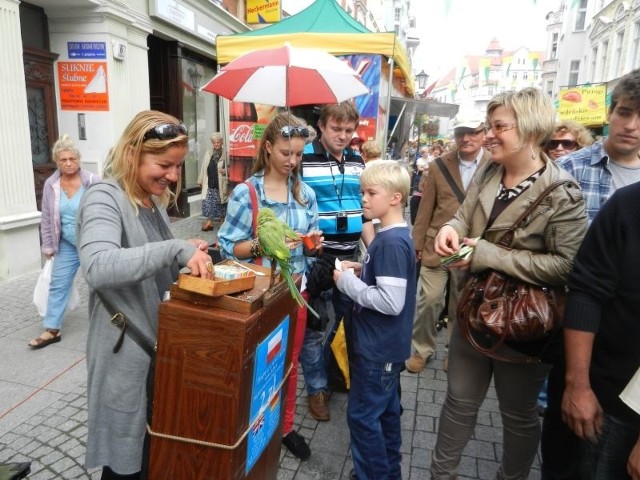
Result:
504,309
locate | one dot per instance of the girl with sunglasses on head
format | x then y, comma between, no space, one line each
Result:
567,137
277,184
129,259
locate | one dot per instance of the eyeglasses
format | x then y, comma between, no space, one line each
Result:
566,144
499,127
288,131
166,131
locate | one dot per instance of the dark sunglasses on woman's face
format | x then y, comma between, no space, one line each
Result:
288,131
566,144
166,131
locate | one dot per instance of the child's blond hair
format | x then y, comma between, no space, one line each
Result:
389,174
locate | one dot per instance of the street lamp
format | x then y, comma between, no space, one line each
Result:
422,79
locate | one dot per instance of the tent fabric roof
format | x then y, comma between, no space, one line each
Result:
325,26
319,17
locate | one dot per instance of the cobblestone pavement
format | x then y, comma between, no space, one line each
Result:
43,403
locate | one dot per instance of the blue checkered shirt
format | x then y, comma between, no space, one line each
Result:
589,167
238,223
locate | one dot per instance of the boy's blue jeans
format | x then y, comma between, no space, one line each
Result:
373,416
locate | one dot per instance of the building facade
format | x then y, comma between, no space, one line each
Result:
479,77
591,42
84,68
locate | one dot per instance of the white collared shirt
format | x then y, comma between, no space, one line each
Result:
468,168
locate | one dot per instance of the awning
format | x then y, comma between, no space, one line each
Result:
430,107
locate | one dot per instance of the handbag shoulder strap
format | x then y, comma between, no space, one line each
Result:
120,321
507,238
254,213
452,183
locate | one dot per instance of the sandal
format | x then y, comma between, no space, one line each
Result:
207,226
52,336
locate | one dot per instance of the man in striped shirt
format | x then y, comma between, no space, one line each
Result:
333,170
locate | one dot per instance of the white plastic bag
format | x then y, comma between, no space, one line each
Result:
74,298
41,292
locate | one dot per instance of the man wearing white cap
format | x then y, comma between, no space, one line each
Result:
443,192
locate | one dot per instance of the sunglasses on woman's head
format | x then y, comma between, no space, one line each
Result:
566,144
288,131
166,131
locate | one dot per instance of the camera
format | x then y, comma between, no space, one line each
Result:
341,222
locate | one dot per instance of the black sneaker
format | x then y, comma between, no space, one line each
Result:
297,445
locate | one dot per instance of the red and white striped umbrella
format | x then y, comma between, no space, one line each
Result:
287,76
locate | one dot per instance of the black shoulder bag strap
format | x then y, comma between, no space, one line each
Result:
119,320
452,183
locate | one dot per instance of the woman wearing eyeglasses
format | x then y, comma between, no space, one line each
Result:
60,199
277,185
541,252
129,258
567,137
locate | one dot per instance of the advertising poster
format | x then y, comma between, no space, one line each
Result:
263,11
268,371
585,105
368,67
83,86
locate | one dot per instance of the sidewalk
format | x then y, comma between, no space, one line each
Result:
43,403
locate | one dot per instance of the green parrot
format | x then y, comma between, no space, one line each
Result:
272,236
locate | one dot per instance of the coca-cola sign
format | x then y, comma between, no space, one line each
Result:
241,141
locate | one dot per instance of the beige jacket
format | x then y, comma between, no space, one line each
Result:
437,206
544,245
203,178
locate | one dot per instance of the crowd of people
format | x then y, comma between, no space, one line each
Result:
581,233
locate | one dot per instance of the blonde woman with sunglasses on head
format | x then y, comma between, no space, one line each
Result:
129,259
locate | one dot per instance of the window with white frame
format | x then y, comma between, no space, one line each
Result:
574,71
553,52
603,60
633,61
581,15
398,15
617,55
549,88
594,60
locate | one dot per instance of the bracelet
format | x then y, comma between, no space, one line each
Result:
255,248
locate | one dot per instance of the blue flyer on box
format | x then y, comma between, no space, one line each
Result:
268,371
